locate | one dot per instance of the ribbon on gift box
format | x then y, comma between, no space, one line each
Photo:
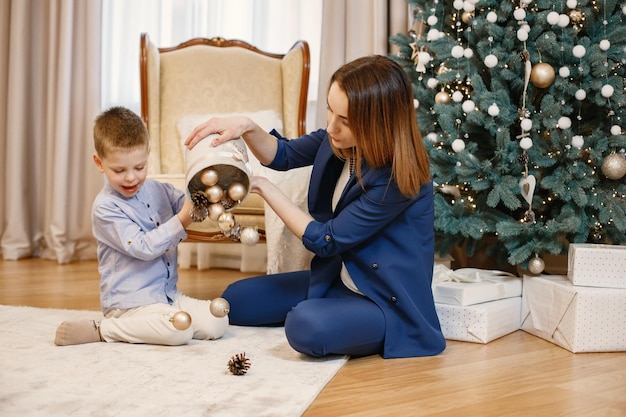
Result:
441,273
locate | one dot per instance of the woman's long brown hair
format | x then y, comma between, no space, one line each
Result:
381,116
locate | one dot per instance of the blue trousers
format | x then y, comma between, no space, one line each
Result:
342,322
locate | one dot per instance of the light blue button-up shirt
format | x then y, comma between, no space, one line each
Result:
137,245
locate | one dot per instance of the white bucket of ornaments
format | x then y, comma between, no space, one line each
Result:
218,180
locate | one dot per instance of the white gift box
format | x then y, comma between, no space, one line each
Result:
594,265
579,319
469,293
468,286
480,323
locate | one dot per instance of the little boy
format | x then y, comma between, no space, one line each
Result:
138,224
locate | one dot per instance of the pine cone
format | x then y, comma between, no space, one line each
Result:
239,364
200,199
200,209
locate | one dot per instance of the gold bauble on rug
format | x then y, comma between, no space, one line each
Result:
542,75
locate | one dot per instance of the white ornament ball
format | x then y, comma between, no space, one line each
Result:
552,18
457,96
214,193
219,307
433,137
563,20
432,20
226,222
457,51
458,4
578,141
519,14
433,35
536,265
249,236
616,130
526,143
469,6
458,145
424,57
526,124
572,4
468,53
607,90
605,44
492,17
468,106
624,9
579,51
522,34
416,103
493,110
580,94
209,177
432,83
491,61
564,122
564,72
215,211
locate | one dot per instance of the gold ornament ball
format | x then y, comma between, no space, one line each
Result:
219,307
442,98
576,15
209,177
215,211
466,17
237,191
614,166
214,193
226,222
542,75
181,320
536,265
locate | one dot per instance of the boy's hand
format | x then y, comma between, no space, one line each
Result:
183,214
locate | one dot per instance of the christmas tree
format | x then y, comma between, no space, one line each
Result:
522,106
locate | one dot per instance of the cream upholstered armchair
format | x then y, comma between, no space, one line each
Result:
184,85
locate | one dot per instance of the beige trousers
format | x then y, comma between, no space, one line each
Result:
151,323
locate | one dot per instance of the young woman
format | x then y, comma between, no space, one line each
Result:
369,223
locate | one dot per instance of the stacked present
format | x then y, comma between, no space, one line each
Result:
476,305
584,311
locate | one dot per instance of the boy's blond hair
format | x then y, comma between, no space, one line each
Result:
118,128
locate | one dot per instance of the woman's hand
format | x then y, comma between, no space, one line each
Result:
226,128
294,218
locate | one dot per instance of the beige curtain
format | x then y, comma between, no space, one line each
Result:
49,96
355,28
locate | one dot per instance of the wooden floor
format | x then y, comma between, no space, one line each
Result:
516,375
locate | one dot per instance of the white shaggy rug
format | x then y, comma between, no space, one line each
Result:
38,378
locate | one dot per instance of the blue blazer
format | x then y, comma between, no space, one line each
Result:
385,239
